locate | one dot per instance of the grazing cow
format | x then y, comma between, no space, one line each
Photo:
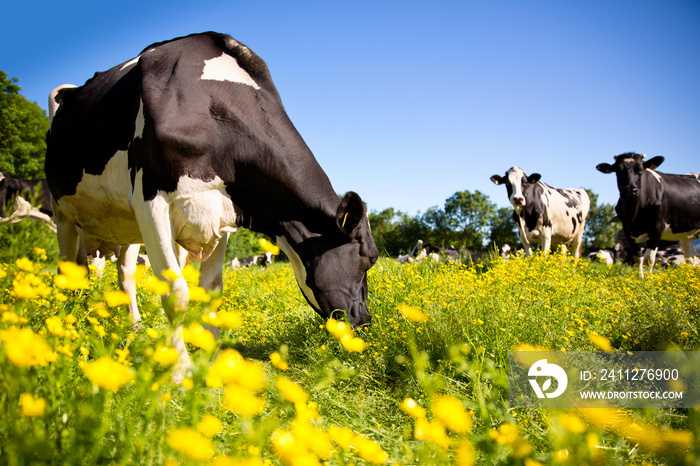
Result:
606,255
180,145
655,206
545,214
18,194
262,260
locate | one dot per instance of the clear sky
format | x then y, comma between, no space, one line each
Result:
408,102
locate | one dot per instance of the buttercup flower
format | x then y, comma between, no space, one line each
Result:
410,406
210,425
72,276
290,390
25,348
412,313
31,406
240,401
117,298
25,264
450,411
601,342
269,247
198,336
108,374
166,357
55,326
190,443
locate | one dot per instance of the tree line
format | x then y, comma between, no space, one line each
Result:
468,220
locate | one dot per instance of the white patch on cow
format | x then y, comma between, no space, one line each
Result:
131,62
53,105
226,68
655,175
101,206
515,179
299,270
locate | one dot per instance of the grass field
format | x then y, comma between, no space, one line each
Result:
425,384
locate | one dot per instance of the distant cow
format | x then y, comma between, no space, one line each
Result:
179,146
263,260
16,197
655,206
545,214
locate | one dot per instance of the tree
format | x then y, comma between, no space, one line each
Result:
600,228
503,229
23,127
469,216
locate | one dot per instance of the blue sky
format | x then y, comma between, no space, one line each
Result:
409,102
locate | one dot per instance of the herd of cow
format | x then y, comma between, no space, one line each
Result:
188,141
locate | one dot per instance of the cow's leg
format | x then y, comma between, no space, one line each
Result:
153,218
70,245
211,276
546,240
526,244
126,271
576,245
650,257
688,250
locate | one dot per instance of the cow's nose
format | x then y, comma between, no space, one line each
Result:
630,191
517,200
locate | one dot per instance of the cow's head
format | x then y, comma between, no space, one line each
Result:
331,266
517,183
629,168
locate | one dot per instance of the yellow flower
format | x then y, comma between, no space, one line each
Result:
171,275
29,286
198,336
197,293
10,317
451,412
152,333
370,451
25,264
278,362
117,298
122,355
108,374
55,326
431,431
191,274
190,443
410,407
601,342
101,310
465,455
338,328
25,348
72,277
343,436
268,246
231,368
210,425
353,344
166,357
290,390
188,383
571,423
240,401
223,319
30,406
413,313
158,287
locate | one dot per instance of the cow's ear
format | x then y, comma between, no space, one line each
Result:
652,163
534,178
604,168
497,179
350,213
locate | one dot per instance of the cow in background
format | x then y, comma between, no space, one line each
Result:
547,215
655,206
16,197
179,146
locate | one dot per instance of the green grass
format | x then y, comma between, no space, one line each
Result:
476,314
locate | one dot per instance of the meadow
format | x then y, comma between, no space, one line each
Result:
426,383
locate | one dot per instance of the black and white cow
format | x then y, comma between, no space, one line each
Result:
655,206
17,196
182,144
544,214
